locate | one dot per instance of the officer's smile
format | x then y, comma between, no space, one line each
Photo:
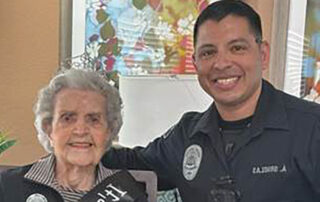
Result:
226,83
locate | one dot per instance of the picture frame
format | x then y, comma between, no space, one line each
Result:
296,48
279,42
65,43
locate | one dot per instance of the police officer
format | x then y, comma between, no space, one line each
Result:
254,143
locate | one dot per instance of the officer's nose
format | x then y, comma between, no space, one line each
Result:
221,61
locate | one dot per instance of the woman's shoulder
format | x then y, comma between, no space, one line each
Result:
14,172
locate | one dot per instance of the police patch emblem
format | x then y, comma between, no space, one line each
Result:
191,161
36,198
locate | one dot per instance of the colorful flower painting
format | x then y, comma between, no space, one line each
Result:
310,88
139,37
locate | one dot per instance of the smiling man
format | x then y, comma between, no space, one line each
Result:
254,143
230,61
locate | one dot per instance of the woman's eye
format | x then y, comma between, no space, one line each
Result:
67,118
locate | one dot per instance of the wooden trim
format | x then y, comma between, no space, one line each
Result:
279,42
65,30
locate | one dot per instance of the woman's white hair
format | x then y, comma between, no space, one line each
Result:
83,80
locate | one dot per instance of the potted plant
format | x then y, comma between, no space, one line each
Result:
5,143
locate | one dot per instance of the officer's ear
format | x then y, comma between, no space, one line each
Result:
194,61
264,54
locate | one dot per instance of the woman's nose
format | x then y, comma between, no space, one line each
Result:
81,127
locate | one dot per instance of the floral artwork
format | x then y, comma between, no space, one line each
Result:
138,37
311,61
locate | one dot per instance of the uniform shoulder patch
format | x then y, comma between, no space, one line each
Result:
191,161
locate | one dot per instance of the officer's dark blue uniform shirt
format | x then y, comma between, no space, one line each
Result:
277,160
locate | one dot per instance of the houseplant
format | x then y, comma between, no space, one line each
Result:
5,143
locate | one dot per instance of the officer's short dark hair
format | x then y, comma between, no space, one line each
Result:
223,8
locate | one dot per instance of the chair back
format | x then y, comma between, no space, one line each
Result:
150,179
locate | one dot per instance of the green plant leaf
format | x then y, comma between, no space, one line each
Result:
4,142
2,138
6,145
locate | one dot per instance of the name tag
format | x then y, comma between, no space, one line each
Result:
269,169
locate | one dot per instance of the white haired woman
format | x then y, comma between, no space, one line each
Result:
77,116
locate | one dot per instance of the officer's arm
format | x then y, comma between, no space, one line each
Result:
125,158
158,156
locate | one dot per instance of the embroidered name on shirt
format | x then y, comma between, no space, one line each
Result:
269,169
111,192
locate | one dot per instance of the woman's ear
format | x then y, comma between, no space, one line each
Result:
47,127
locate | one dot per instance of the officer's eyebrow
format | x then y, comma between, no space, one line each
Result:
238,40
206,46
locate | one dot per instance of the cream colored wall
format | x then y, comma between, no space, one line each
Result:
29,43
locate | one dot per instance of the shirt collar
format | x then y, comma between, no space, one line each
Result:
270,113
43,172
271,109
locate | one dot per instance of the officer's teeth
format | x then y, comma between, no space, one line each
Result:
226,81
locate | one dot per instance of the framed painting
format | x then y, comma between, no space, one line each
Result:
133,37
302,58
310,84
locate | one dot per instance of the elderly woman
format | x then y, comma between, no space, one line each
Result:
77,116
